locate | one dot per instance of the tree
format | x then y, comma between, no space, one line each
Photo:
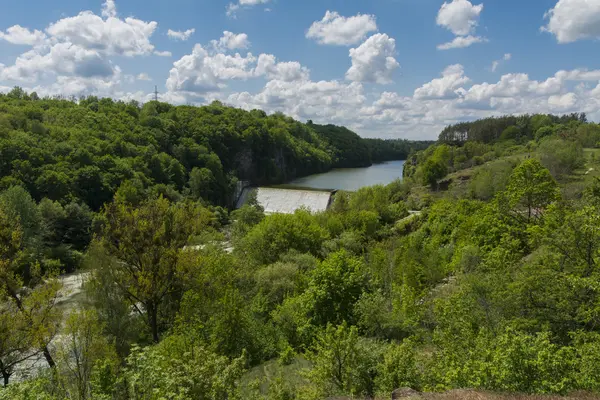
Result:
146,243
532,188
561,157
32,297
81,350
181,368
15,342
433,170
334,288
344,363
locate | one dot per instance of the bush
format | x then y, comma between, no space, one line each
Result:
561,157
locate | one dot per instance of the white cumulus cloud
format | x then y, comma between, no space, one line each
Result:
459,16
453,78
373,61
18,35
268,66
233,8
572,20
231,41
128,37
461,42
201,72
180,35
338,30
109,9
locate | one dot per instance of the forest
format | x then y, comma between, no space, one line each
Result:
479,269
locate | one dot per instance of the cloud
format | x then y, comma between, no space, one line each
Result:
496,63
201,72
324,101
231,41
337,30
163,53
373,61
572,20
58,59
461,42
180,35
459,16
113,36
109,9
268,66
73,56
233,8
453,78
18,35
143,77
563,103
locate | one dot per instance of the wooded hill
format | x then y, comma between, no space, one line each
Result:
91,150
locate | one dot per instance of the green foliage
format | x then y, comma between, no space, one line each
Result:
344,363
490,180
146,243
179,368
530,189
561,157
334,288
279,233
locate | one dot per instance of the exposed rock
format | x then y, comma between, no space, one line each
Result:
403,393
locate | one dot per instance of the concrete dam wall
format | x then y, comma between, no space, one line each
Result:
287,201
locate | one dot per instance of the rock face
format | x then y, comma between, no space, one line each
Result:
404,393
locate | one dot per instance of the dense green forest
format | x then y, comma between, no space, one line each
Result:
89,151
478,270
350,150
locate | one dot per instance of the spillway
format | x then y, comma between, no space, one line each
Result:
287,201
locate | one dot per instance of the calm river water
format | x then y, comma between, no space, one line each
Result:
352,179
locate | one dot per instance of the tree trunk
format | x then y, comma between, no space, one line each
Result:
5,374
48,357
153,321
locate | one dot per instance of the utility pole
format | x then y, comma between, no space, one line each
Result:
155,93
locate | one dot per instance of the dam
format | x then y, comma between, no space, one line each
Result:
287,201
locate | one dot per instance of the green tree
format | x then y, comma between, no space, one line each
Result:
147,243
181,368
81,349
344,363
561,157
433,171
531,188
33,297
334,288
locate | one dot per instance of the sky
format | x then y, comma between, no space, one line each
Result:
384,68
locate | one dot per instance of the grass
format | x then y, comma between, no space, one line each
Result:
267,373
477,395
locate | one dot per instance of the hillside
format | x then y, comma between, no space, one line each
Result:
89,151
479,270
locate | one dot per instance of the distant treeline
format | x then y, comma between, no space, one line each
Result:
489,130
91,151
353,151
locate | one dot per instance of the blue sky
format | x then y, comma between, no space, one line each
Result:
386,68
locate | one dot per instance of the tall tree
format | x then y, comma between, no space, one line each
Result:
33,297
531,188
146,243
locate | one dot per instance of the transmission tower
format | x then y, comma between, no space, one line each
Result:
155,93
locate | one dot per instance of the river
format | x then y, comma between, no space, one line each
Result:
352,179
